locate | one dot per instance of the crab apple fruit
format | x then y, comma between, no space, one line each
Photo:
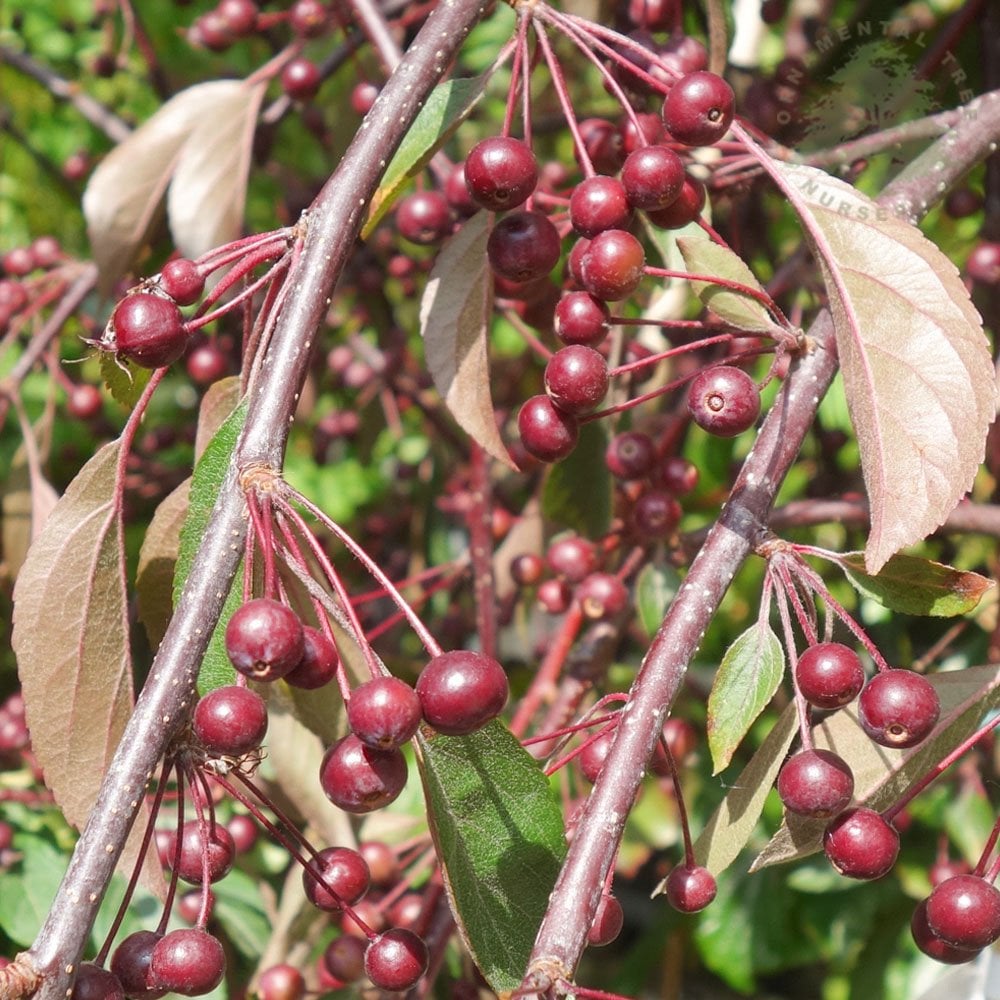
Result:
861,844
554,596
602,595
653,177
130,963
396,959
264,639
523,246
500,173
301,79
424,217
190,962
526,569
594,753
690,888
576,379
94,983
655,515
612,265
319,662
572,557
219,850
597,204
684,209
964,912
608,921
384,712
829,675
358,779
547,433
580,318
460,691
345,879
898,708
148,330
699,109
281,982
344,958
723,400
630,455
816,783
230,721
933,946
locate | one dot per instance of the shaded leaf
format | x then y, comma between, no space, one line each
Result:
578,490
209,473
917,367
239,909
705,256
745,682
125,380
447,106
208,189
882,775
27,500
734,821
499,838
655,588
454,323
71,638
916,586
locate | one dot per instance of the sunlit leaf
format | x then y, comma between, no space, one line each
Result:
499,837
705,256
882,775
71,638
578,490
125,380
448,105
454,322
918,372
655,588
916,586
745,682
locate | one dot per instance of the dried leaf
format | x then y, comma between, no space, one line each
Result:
578,490
745,682
882,775
917,586
72,645
917,367
28,499
454,322
208,189
734,821
705,256
125,193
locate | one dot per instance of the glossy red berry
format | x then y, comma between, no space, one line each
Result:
46,251
816,783
572,557
384,712
308,18
861,844
281,982
230,721
18,262
206,364
898,708
653,177
301,79
190,962
547,433
655,515
182,280
382,863
602,595
85,402
554,596
983,264
363,96
344,958
962,202
396,959
603,144
676,475
646,130
576,379
319,662
964,912
461,690
500,173
345,879
264,639
424,217
217,847
724,401
358,779
699,109
608,921
684,209
690,888
523,246
240,16
94,983
930,944
526,569
130,963
594,753
580,318
829,675
148,330
630,455
612,265
597,204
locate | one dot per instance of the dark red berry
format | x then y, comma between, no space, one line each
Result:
301,79
211,32
281,982
396,959
240,16
594,753
898,708
46,251
580,318
456,190
653,177
829,675
946,868
13,297
816,783
345,879
344,958
602,595
308,18
554,596
130,963
608,921
18,262
963,202
690,888
699,109
244,831
218,847
460,691
655,515
363,96
182,280
526,569
94,983
603,144
599,203
681,738
964,912
572,557
382,863
264,639
930,944
230,721
677,475
500,173
983,264
85,402
189,905
523,246
684,209
576,379
547,433
384,712
358,779
319,662
653,15
630,455
645,130
190,962
612,266
424,217
148,330
861,844
206,364
724,401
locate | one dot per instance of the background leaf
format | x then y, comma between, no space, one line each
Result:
745,682
26,500
655,588
499,837
454,325
125,380
578,490
918,372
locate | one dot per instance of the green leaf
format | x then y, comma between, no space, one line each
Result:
209,473
745,682
449,104
655,588
705,256
499,837
240,911
28,891
916,586
125,381
578,490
